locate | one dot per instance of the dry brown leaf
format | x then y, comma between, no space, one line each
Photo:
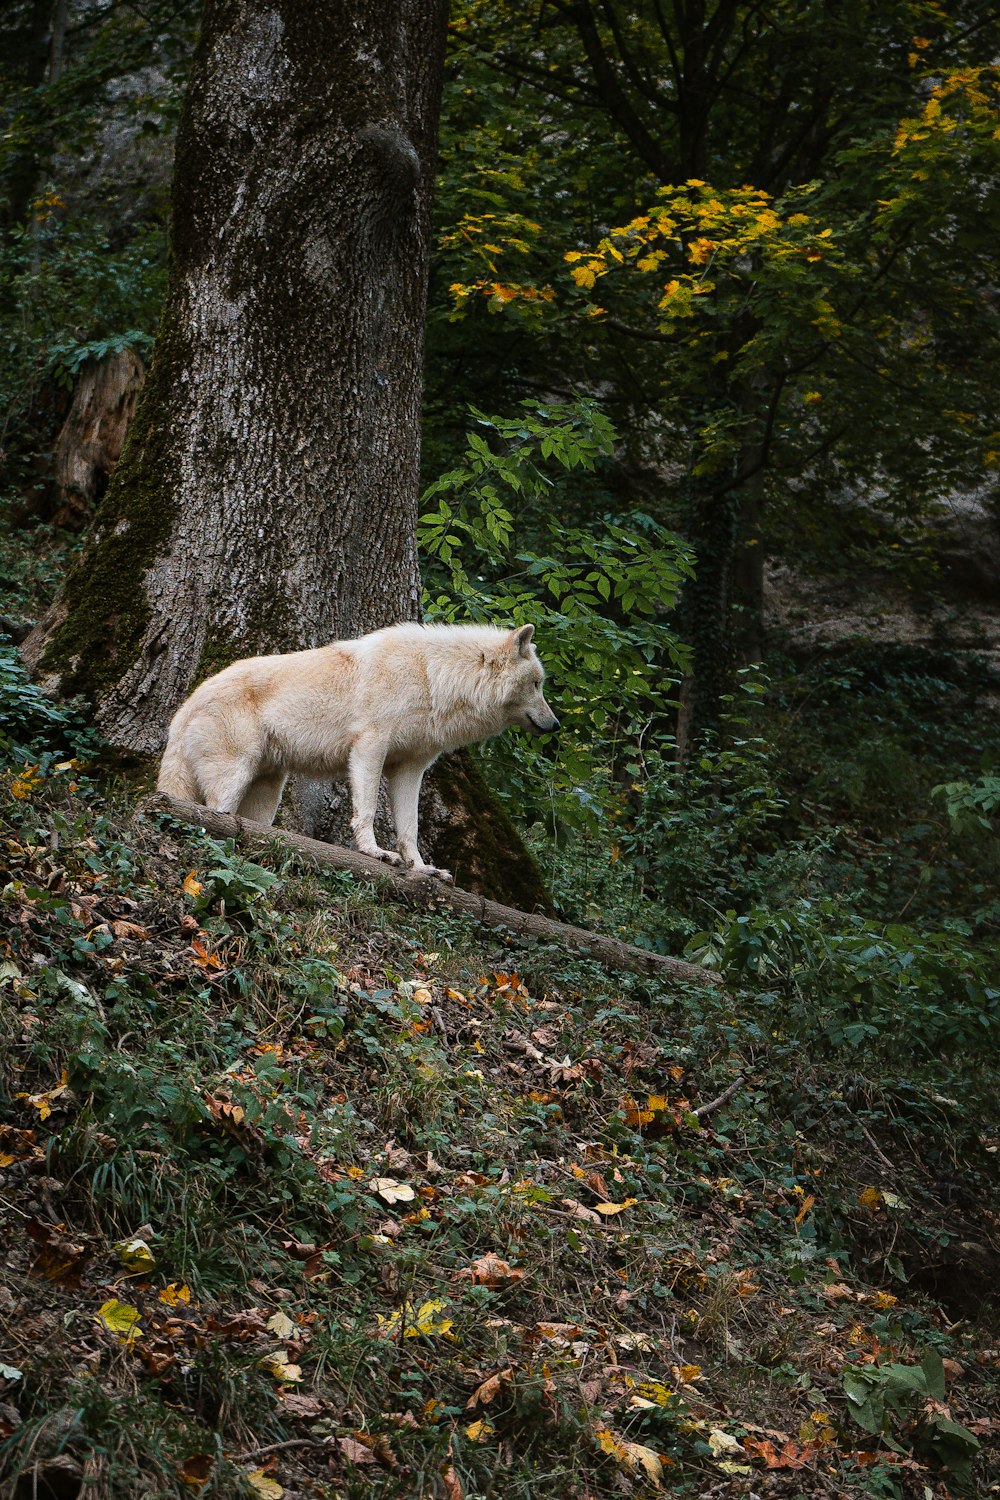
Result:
489,1270
355,1451
577,1211
486,1392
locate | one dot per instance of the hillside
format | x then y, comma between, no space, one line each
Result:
304,1194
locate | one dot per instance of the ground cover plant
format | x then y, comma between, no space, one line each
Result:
305,1195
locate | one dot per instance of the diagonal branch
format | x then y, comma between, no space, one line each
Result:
609,951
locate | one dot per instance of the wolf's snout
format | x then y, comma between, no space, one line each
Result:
546,723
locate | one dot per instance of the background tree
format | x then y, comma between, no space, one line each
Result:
759,391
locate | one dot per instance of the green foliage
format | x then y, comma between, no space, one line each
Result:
971,805
249,1055
35,726
858,984
76,298
879,1395
499,542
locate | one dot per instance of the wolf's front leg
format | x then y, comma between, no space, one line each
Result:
364,772
403,783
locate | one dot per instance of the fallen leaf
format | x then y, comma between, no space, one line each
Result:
196,1470
204,957
478,1432
135,1255
258,1481
123,929
489,1270
836,1291
391,1190
120,1320
638,1457
355,1451
723,1442
577,1211
43,1101
281,1325
608,1209
416,1321
807,1203
174,1293
791,1456
192,885
297,1405
277,1365
484,1393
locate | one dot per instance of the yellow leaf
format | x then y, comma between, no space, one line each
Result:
26,783
175,1292
422,996
277,1365
261,1485
478,1432
136,1255
281,1325
807,1204
415,1320
870,1197
120,1320
722,1442
192,885
636,1457
391,1190
43,1102
608,1209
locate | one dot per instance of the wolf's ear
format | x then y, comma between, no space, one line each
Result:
521,640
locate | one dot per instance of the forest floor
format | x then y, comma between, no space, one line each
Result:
303,1194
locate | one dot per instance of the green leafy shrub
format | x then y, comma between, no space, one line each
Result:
880,1396
856,983
33,726
497,548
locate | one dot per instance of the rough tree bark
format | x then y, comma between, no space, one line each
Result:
266,499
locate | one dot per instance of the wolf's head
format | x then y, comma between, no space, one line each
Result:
521,677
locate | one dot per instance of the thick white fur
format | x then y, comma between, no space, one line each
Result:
390,702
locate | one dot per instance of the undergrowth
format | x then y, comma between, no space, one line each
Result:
306,1191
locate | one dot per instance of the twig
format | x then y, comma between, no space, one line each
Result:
254,1453
873,1143
723,1098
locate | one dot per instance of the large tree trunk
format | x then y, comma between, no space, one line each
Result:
266,499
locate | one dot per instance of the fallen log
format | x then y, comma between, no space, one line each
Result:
436,894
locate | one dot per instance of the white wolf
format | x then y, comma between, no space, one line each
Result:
390,702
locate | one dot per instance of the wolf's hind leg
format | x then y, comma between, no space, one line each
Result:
224,782
403,783
364,772
261,798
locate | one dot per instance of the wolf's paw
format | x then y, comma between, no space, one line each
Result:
388,855
423,870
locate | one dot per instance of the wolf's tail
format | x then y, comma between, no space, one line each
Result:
176,777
